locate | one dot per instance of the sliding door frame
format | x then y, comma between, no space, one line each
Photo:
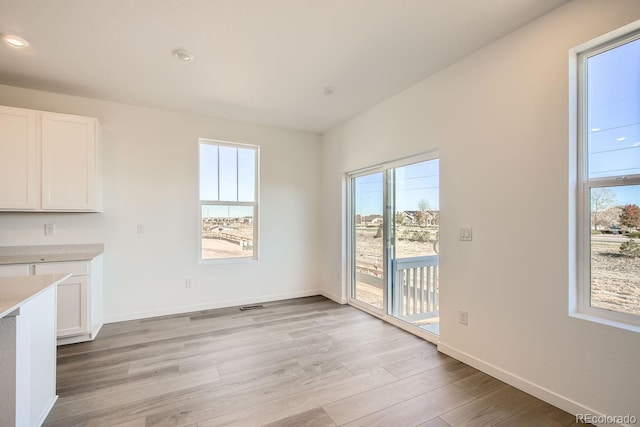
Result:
385,168
351,235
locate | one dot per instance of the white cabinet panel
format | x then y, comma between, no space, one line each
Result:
77,268
28,361
68,162
49,162
39,313
73,295
72,306
79,297
14,270
18,159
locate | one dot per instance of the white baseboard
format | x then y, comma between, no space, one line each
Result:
95,331
46,411
520,383
333,297
74,339
167,311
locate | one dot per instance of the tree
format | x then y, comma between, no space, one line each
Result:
423,205
601,199
630,216
610,217
421,214
630,248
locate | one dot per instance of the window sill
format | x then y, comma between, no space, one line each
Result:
607,322
226,261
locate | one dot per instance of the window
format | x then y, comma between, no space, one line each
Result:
609,182
228,200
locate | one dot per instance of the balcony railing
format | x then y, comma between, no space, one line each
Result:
415,291
415,295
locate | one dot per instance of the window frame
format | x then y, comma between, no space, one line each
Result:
255,204
580,303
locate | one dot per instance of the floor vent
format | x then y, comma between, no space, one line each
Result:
251,307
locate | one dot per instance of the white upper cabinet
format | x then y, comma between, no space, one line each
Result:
69,163
49,162
18,159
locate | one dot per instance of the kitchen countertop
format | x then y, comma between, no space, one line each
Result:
49,253
15,291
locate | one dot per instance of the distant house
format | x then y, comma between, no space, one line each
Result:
419,218
368,220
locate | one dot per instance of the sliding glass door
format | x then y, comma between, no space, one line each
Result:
367,235
415,224
393,240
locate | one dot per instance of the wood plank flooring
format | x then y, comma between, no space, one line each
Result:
301,362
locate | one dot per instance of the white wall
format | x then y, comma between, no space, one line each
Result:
500,121
151,177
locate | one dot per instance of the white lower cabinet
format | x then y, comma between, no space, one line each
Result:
72,294
28,361
38,391
79,315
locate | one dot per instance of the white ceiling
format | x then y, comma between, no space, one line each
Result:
258,61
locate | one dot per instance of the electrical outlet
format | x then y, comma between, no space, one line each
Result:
140,228
49,229
187,283
463,317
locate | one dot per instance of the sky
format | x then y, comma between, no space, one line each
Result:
414,183
227,174
613,117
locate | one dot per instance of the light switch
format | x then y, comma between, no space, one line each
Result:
465,234
140,228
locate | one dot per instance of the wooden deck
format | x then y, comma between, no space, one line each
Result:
301,362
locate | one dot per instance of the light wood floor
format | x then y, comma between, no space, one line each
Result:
300,362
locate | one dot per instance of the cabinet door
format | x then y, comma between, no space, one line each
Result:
69,151
18,159
72,306
73,295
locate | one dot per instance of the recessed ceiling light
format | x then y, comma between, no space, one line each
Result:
595,129
182,55
328,91
622,138
14,41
